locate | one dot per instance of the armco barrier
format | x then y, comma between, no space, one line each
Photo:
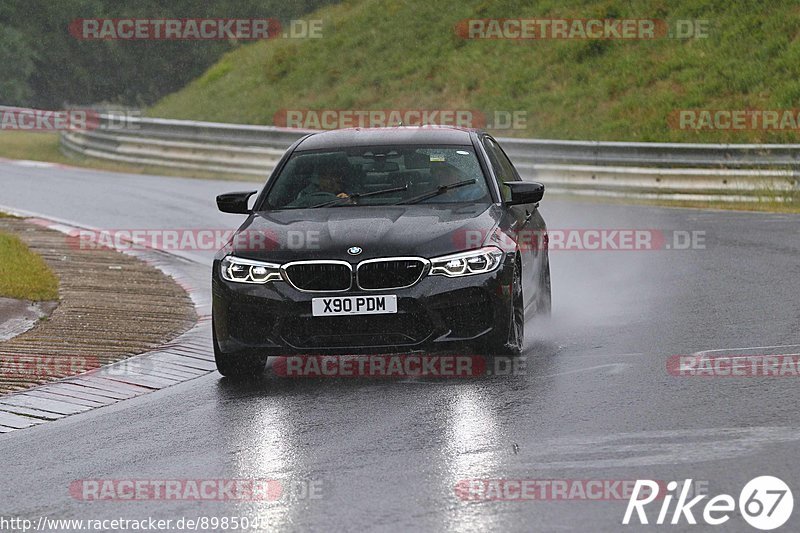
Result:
734,172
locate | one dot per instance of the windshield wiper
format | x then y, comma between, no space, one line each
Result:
437,191
355,197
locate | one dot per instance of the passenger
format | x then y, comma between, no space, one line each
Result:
446,174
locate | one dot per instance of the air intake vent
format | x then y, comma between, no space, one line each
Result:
390,273
319,276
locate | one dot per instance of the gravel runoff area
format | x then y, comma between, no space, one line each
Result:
112,306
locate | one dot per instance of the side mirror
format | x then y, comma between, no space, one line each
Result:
234,202
525,192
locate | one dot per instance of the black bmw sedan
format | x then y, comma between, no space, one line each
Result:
384,240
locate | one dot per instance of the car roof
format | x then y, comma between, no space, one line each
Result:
410,135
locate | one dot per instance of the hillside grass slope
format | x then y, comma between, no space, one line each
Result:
406,55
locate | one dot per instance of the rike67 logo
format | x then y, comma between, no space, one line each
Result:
765,503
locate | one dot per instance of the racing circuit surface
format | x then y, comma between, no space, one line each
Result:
595,402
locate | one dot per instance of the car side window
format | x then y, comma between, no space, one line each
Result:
502,166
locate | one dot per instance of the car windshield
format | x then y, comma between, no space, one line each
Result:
379,175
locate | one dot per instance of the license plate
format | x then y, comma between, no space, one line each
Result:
354,305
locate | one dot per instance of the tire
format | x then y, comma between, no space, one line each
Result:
238,367
511,343
544,301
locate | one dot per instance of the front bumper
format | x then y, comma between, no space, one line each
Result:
438,313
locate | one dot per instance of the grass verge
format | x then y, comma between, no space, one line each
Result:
23,274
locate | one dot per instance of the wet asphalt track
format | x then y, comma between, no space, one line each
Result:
596,401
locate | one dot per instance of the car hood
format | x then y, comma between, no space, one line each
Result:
380,231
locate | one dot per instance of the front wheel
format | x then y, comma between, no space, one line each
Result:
544,300
238,367
512,342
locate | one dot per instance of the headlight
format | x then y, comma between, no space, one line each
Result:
467,263
242,270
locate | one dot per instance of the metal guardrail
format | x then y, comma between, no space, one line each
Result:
189,145
733,172
659,155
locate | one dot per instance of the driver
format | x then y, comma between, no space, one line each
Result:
330,181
